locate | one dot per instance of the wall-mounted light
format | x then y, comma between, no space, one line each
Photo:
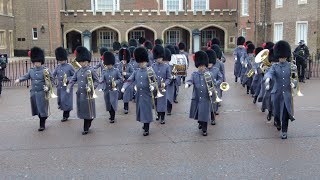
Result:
248,23
42,29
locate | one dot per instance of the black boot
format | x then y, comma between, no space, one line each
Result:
248,89
255,99
162,118
126,108
283,135
213,121
199,125
42,123
85,127
236,79
146,129
158,116
269,115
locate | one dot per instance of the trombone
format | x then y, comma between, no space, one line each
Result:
210,87
153,81
89,96
65,80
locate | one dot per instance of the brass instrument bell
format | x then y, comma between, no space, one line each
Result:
224,86
48,82
65,80
153,81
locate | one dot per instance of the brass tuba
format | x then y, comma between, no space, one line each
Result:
50,94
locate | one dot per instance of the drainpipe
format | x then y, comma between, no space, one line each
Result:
237,20
265,21
255,23
65,5
62,33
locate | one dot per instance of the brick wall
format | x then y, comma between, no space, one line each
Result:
7,25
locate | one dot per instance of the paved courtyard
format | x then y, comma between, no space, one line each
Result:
243,145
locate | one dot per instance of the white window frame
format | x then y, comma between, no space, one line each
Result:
302,1
205,40
111,40
180,6
243,13
178,39
193,2
116,6
132,34
33,31
275,33
279,3
4,39
306,35
244,32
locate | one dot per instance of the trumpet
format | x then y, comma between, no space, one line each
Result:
65,80
75,64
48,82
113,85
153,81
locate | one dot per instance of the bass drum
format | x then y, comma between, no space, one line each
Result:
180,63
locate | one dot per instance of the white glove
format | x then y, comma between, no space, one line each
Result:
163,85
246,65
174,77
255,72
100,90
124,73
122,90
135,88
68,90
16,81
88,89
210,93
0,67
151,88
235,59
267,87
267,81
45,88
186,85
292,85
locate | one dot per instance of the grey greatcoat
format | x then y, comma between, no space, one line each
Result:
237,54
129,92
171,87
200,101
39,104
217,79
162,71
85,107
281,74
110,95
134,64
151,60
220,66
65,100
247,63
143,95
257,79
267,98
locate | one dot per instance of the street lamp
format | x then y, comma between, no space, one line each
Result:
248,23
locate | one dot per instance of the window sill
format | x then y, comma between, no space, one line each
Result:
278,7
6,15
3,47
244,15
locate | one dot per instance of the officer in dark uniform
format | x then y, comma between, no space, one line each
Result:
301,54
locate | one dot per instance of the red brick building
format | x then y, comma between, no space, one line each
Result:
6,28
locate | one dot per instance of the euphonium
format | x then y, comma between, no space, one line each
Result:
75,64
48,82
153,81
211,87
224,86
65,80
91,85
262,57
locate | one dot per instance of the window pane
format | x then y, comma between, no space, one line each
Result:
106,39
200,5
206,36
105,4
136,34
2,39
173,37
173,5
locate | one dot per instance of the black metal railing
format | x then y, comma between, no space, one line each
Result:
18,68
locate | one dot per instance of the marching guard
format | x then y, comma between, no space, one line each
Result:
87,80
217,80
133,61
144,87
41,86
111,78
100,64
163,76
237,54
257,77
177,81
282,89
171,86
246,62
201,96
126,70
116,46
182,48
64,73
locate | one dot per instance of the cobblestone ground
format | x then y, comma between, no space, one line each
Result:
243,145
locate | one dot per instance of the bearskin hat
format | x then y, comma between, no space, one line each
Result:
212,56
158,41
176,48
133,42
142,40
247,43
241,40
268,45
182,46
171,48
158,52
124,54
82,54
201,58
215,41
36,55
250,48
148,44
116,46
217,50
282,49
271,56
141,55
61,54
108,58
167,54
103,50
131,49
257,50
